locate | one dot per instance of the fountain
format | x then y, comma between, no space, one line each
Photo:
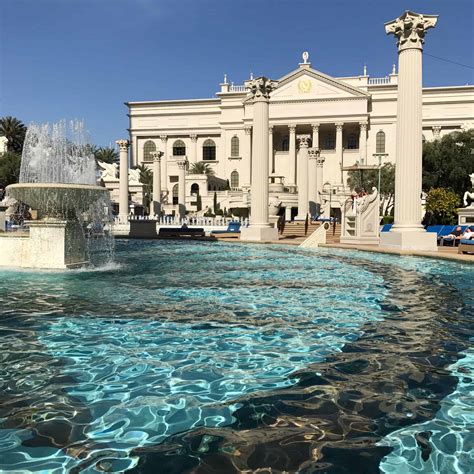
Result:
58,179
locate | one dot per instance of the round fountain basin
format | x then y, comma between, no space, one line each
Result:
57,200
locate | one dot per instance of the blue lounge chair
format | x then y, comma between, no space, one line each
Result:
232,228
466,246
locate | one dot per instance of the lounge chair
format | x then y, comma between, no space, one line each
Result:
466,246
233,230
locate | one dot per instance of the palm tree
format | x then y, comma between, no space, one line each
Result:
15,131
106,154
201,168
146,178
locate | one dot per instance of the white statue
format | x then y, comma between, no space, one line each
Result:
3,144
469,195
109,171
134,177
305,57
274,205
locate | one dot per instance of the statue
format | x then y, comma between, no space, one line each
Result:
305,57
274,205
109,171
469,196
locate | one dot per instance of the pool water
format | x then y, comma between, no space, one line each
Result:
209,357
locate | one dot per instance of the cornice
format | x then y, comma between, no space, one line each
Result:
173,102
325,99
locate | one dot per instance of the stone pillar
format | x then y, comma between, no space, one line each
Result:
363,143
246,180
164,164
407,231
315,138
313,155
156,182
319,180
123,186
436,132
292,155
271,166
193,148
303,201
260,227
182,165
339,149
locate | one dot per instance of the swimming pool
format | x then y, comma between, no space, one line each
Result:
219,357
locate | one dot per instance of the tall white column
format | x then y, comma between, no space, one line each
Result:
313,155
303,201
246,180
193,149
260,227
123,184
339,149
319,179
363,143
182,165
270,149
315,137
407,231
292,155
156,182
164,164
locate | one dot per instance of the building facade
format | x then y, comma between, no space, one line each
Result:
352,120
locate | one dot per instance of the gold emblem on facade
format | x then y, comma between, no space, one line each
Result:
304,86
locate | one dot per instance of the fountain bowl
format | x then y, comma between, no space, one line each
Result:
57,200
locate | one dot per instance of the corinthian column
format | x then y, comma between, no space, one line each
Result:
292,155
156,182
407,232
339,150
270,149
313,155
164,164
246,178
319,180
193,148
260,228
182,164
303,202
123,185
363,143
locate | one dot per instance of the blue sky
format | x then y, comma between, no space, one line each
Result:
84,58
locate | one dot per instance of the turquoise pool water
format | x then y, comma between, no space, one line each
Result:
99,369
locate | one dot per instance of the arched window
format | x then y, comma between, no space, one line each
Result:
234,146
209,150
380,142
195,189
175,194
329,142
285,144
234,179
148,148
352,142
179,148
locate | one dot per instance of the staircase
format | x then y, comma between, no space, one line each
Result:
295,231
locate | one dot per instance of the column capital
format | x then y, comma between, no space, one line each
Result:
156,155
261,87
164,138
436,131
314,153
410,29
193,137
292,128
320,161
303,140
363,125
315,127
182,164
123,144
339,126
270,129
248,130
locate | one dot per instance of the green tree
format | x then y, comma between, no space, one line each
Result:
146,178
215,205
9,168
15,131
106,154
201,168
447,162
441,205
365,180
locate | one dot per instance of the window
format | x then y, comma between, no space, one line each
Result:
208,150
234,146
380,142
285,144
195,189
329,142
179,148
352,142
148,148
234,179
175,194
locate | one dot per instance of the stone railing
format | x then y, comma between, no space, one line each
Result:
375,81
190,221
234,88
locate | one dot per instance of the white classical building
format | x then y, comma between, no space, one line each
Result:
350,119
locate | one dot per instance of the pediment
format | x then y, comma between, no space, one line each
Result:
307,83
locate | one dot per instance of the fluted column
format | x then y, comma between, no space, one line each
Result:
156,182
303,201
319,179
315,137
313,155
339,149
407,231
123,185
363,143
270,149
246,180
182,165
260,228
292,155
164,163
193,149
